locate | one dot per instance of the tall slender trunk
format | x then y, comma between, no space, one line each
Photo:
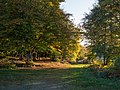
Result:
34,56
20,56
64,54
28,55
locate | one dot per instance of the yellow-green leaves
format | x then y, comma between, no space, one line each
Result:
51,4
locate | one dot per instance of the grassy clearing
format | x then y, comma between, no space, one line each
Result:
78,77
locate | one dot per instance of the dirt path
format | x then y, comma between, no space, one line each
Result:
38,78
75,78
50,80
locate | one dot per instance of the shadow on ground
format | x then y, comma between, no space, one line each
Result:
74,78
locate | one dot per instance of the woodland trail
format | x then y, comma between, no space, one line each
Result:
76,77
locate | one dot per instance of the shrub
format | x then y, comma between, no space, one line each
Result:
2,55
117,63
29,63
5,63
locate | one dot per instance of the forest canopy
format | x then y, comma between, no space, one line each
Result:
37,26
102,30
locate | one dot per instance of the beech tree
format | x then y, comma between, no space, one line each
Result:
102,26
36,25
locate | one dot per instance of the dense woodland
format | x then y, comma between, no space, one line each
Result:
40,46
102,30
39,28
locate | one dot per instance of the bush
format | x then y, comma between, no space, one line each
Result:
5,63
117,63
2,55
29,63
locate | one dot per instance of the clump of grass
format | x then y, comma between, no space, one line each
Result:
7,64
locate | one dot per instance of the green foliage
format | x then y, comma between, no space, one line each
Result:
2,55
37,25
6,64
29,63
117,63
102,29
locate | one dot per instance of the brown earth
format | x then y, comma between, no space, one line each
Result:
43,65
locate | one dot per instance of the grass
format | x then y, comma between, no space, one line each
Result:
78,77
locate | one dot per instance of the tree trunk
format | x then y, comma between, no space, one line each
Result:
20,56
28,55
34,56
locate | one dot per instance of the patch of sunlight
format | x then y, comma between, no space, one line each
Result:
68,77
107,66
80,65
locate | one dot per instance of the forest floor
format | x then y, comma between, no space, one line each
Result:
55,76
